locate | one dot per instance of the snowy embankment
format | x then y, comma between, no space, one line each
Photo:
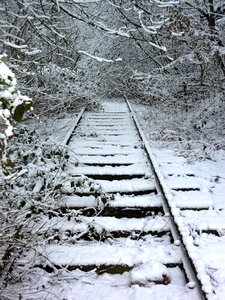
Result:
193,182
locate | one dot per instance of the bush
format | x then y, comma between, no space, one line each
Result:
12,105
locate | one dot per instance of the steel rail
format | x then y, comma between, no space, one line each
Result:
71,130
188,264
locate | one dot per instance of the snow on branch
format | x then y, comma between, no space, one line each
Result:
86,1
33,52
165,4
162,48
177,34
23,48
99,59
119,6
159,23
12,45
153,29
112,31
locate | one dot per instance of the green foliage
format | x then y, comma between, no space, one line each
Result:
12,106
21,109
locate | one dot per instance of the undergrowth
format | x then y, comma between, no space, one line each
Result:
197,132
31,191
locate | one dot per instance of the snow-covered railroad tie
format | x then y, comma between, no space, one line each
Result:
115,226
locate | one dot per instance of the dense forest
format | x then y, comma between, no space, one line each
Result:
62,54
159,52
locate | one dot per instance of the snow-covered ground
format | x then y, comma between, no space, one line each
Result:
181,170
185,167
182,167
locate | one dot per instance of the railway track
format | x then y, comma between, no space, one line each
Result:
120,233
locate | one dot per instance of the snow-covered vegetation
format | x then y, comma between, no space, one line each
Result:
167,56
12,105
